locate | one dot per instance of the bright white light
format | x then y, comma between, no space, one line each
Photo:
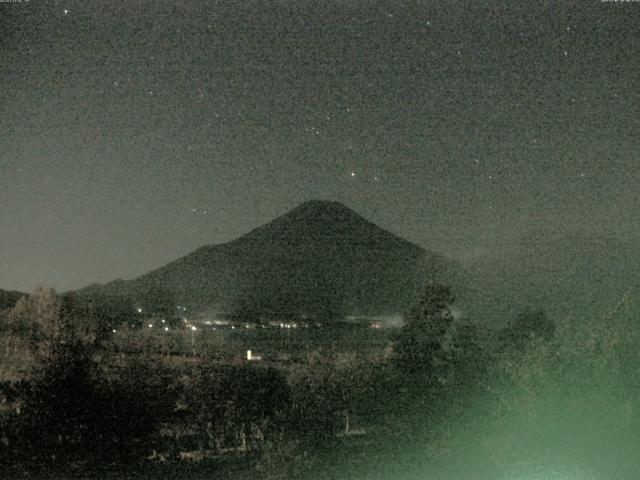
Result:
151,325
139,310
166,329
114,330
193,327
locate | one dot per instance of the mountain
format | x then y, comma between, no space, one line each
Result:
320,260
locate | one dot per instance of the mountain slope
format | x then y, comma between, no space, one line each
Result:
320,260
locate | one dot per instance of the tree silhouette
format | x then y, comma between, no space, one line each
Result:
527,326
424,345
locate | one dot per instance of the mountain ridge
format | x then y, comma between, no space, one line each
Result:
320,259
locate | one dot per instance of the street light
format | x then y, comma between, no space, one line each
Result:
193,338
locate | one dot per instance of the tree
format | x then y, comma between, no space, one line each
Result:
424,345
433,306
44,324
115,312
527,326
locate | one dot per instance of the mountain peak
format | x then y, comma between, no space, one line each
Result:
326,210
323,205
320,260
322,209
322,224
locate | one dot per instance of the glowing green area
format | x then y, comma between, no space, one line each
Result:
548,473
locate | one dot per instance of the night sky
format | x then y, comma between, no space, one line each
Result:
133,132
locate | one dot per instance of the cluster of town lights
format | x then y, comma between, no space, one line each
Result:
288,325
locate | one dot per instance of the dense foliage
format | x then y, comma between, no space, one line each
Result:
441,395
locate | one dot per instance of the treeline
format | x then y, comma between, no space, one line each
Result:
446,397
